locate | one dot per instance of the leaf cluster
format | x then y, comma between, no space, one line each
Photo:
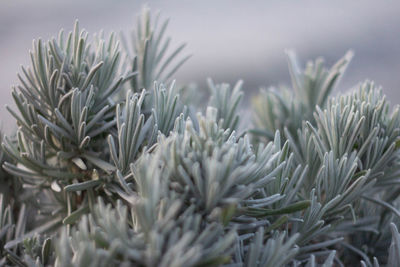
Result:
116,167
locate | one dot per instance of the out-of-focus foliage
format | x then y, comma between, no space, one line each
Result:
283,108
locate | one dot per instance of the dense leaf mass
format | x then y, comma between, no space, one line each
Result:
114,164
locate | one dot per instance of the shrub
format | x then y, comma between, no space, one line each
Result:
114,164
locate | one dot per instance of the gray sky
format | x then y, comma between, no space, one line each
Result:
229,40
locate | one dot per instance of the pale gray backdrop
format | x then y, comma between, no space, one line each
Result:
228,39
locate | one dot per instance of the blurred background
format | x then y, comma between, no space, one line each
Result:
229,40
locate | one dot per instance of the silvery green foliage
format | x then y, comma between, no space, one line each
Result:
151,56
167,106
7,227
213,168
176,229
193,175
329,262
226,100
65,107
277,109
131,132
160,231
276,251
140,181
394,250
10,186
136,133
66,104
3,174
33,251
65,110
350,149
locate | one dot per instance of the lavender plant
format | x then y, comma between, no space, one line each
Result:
110,166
